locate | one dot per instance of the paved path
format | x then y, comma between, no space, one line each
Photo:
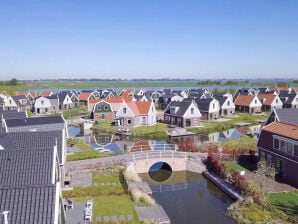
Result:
123,159
98,162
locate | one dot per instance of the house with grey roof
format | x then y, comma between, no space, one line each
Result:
30,188
166,98
182,114
10,114
36,124
65,101
285,115
227,106
290,100
46,104
209,108
35,140
22,102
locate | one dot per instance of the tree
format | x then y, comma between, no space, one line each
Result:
12,82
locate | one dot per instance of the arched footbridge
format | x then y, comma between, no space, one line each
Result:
178,161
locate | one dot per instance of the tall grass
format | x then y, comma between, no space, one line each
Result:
131,176
141,199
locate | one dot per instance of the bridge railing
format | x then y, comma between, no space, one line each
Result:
156,147
158,154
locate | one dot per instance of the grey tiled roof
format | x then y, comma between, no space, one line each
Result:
287,115
30,205
220,99
33,140
12,114
20,168
203,104
183,106
18,99
35,121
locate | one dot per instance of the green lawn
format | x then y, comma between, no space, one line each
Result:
108,200
234,165
155,131
87,152
287,202
111,205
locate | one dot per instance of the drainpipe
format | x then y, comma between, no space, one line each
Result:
5,213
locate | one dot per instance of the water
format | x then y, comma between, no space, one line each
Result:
190,198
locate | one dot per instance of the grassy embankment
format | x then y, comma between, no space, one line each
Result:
287,202
214,126
87,152
108,194
155,131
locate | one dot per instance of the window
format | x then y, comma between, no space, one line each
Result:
188,122
102,116
213,105
128,121
269,159
228,103
256,101
276,101
124,110
296,150
283,146
42,102
276,144
106,108
192,110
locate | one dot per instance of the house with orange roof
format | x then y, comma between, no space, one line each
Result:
248,104
278,145
136,113
107,109
86,96
270,102
45,93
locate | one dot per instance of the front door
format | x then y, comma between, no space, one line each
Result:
280,168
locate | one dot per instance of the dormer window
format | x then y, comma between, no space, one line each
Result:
285,145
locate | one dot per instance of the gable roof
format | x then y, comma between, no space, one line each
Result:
139,107
286,115
266,99
26,167
221,99
244,100
45,93
35,121
282,129
28,205
204,104
28,140
84,96
182,107
12,114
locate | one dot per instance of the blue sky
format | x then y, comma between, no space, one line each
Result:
148,39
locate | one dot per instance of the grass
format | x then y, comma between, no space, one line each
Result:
155,131
107,200
287,202
234,165
104,126
213,126
111,205
87,152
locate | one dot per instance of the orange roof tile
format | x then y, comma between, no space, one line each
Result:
128,92
139,107
266,99
244,100
33,94
283,129
45,94
84,96
20,93
140,146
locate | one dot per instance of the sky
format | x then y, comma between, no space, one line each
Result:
132,39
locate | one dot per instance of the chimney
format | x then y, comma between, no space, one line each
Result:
5,213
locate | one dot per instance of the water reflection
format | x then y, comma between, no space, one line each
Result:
188,197
160,171
105,142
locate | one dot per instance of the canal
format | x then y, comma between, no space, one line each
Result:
188,197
